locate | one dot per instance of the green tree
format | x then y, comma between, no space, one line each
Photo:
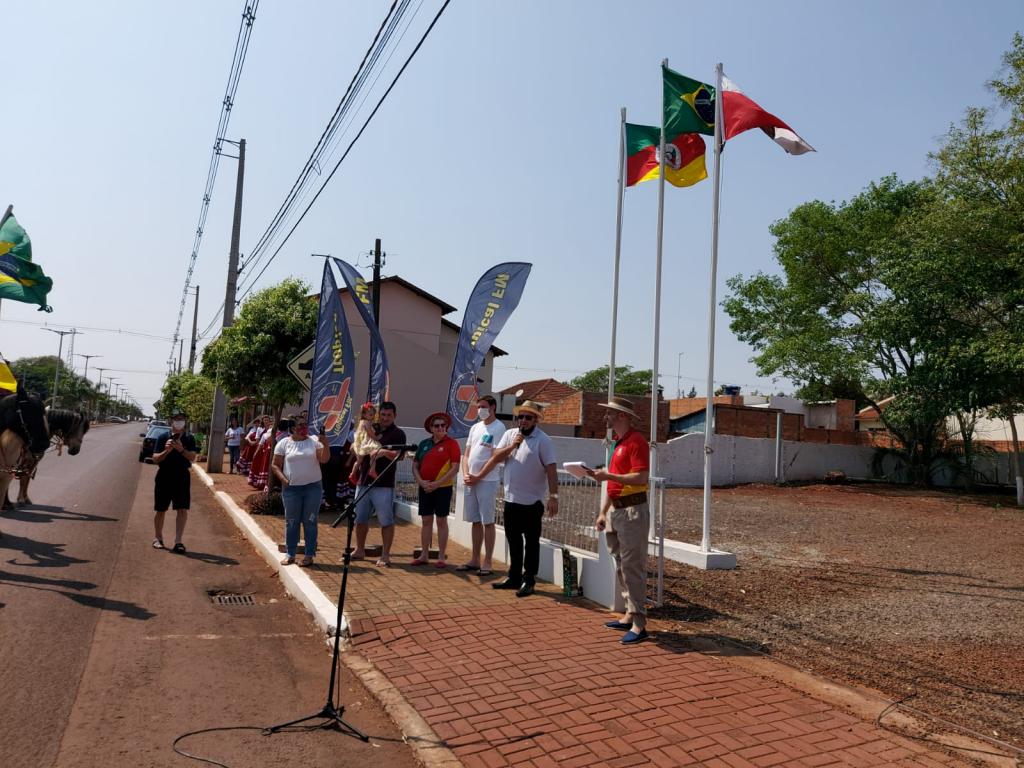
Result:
188,392
836,319
627,381
251,357
38,373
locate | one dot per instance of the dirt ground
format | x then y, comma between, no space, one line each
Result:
913,593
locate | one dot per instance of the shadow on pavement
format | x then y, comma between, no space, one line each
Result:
43,554
212,559
45,513
128,610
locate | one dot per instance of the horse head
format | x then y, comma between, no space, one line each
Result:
69,426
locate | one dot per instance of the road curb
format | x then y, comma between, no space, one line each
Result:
428,747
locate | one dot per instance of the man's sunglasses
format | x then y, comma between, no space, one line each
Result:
439,425
526,417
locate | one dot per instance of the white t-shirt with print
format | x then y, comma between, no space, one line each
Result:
301,465
480,445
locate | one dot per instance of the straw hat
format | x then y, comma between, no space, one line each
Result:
439,415
529,406
620,404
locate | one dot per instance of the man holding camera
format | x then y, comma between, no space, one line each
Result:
173,454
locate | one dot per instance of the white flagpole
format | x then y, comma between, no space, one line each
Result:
615,274
705,541
618,252
657,299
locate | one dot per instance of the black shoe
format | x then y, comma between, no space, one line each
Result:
506,584
526,590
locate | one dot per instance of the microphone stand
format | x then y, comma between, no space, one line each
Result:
331,712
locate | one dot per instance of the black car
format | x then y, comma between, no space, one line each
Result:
149,441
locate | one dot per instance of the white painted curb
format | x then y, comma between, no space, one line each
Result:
294,579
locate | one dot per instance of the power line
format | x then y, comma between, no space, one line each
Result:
366,123
234,76
325,144
120,331
311,162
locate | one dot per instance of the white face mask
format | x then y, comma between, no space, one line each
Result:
484,413
178,424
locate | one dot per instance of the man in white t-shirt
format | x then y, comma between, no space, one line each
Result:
530,474
479,499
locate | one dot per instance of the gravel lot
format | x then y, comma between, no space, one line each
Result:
909,592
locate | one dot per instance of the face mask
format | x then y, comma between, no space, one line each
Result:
484,413
178,424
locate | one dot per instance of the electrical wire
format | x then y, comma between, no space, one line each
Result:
358,135
310,163
324,145
234,77
93,329
361,93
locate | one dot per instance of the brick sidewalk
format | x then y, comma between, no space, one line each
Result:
539,682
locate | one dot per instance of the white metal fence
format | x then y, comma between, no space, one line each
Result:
579,501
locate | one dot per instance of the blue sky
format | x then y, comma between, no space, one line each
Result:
499,143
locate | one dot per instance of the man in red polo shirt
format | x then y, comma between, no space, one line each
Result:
627,524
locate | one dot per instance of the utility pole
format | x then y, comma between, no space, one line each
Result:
99,389
60,360
86,377
192,349
181,352
215,454
87,359
377,262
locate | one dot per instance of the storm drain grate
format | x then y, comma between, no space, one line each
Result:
226,599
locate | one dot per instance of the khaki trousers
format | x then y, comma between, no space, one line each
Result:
627,543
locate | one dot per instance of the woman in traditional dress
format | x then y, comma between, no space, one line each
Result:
250,442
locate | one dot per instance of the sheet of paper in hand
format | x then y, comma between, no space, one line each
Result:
577,469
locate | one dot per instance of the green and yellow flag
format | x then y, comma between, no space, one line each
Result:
20,279
689,104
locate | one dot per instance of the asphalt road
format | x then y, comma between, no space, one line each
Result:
109,649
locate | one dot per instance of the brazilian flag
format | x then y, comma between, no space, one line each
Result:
689,104
20,279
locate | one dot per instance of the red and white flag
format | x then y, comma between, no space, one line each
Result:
741,113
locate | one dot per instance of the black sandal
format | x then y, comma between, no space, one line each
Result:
179,547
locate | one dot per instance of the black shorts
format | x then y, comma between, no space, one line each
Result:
175,493
438,502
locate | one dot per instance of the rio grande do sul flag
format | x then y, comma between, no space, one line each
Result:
690,106
684,156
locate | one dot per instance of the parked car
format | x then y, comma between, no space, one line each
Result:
117,420
158,423
149,438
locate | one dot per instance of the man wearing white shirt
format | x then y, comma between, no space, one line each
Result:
479,498
530,474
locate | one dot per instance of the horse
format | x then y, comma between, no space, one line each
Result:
24,435
67,428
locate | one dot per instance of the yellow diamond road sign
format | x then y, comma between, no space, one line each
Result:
301,366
